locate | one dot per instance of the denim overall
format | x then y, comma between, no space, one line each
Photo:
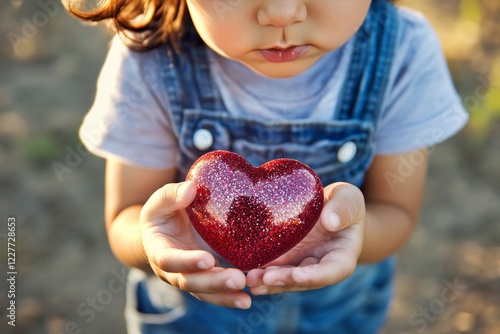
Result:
357,305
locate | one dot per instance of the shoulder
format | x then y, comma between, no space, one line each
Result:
132,76
120,50
413,21
419,56
416,36
129,104
421,98
124,63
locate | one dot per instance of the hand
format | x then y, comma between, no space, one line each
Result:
174,254
327,255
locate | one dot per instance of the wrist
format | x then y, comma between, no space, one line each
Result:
125,238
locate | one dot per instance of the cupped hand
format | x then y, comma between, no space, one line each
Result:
327,255
175,255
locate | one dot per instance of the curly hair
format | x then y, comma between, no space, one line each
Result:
141,24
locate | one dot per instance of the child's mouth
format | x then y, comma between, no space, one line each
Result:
279,55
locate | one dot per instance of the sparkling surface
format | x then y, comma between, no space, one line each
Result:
248,215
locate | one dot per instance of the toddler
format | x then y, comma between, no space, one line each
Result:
357,89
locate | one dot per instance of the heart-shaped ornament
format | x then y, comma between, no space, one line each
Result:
252,215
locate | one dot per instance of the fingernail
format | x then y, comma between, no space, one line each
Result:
203,265
260,291
240,305
300,275
279,283
182,190
334,221
231,285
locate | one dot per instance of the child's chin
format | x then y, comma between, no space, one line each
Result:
281,70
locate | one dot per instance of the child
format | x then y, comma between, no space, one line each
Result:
356,89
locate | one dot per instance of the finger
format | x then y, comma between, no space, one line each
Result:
310,277
331,270
210,281
345,205
238,299
272,283
166,201
254,277
182,261
279,281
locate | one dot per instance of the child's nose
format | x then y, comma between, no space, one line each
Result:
281,13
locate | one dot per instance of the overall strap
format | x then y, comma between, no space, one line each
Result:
370,66
187,79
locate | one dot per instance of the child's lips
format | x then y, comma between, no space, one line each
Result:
279,55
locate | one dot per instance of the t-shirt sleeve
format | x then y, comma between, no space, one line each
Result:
422,107
128,120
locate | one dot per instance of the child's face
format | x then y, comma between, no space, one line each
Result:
277,38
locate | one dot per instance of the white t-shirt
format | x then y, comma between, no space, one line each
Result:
129,119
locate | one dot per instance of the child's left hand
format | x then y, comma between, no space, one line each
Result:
327,255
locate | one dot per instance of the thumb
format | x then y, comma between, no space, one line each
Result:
345,205
168,200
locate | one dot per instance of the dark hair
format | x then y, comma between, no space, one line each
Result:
141,24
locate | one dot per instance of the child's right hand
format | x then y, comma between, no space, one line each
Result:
172,250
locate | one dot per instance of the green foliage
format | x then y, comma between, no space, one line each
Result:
45,147
40,149
486,110
493,99
471,10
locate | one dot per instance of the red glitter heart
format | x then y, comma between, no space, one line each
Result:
252,215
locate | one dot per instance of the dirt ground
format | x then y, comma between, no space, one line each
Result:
69,282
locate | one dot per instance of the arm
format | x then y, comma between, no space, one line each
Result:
354,227
393,193
127,188
148,229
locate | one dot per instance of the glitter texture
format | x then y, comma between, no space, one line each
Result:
250,216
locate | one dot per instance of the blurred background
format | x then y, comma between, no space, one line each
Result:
69,282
